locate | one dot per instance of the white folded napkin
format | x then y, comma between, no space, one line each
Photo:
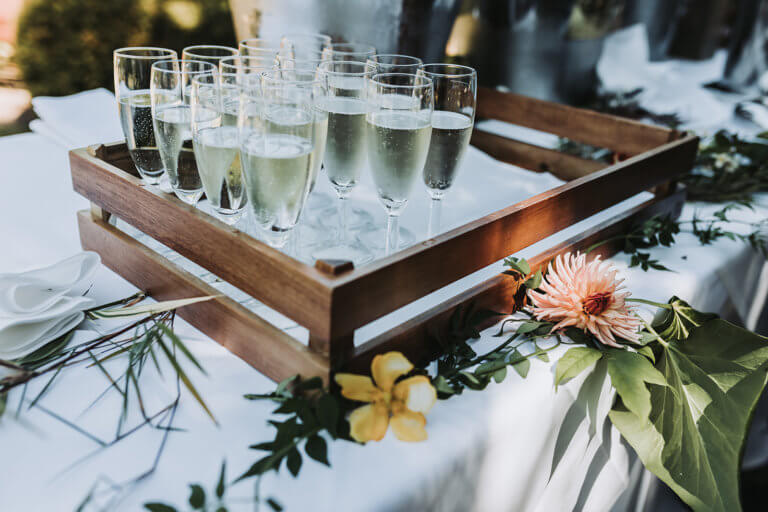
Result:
37,290
20,340
82,119
38,306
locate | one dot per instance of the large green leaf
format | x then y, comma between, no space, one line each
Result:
693,437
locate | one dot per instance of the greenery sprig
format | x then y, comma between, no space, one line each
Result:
662,230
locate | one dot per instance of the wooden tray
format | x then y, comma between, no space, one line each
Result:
333,299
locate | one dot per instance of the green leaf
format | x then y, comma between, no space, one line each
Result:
677,323
185,380
647,352
259,467
159,507
442,385
274,505
293,461
575,361
522,367
150,309
317,449
693,437
529,326
3,403
196,497
328,413
519,265
221,487
535,281
629,372
499,375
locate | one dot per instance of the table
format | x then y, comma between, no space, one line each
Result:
490,450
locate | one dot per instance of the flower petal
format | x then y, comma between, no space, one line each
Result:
386,368
409,426
356,387
368,423
417,393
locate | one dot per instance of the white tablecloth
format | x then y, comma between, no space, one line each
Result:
490,450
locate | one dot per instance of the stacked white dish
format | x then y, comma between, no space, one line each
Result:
39,306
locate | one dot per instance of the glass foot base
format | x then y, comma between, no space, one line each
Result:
355,252
376,239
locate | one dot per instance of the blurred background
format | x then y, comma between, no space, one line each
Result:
544,48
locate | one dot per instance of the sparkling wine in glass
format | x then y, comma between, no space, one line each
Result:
455,101
276,145
398,129
171,115
132,69
345,151
215,139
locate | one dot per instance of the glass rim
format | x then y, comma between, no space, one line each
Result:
364,73
209,46
125,52
468,70
415,60
428,81
158,66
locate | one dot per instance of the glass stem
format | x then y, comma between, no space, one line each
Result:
342,220
393,234
435,208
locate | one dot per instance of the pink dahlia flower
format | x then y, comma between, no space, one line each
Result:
588,296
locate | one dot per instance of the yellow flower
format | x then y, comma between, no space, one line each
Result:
401,405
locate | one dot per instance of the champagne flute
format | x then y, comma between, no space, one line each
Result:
455,101
262,47
358,52
171,116
132,68
276,144
305,45
208,53
214,106
345,149
393,63
398,129
243,64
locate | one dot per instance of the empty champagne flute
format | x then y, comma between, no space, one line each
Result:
398,129
214,107
305,45
358,52
132,69
245,65
170,92
276,143
262,47
208,53
455,101
393,63
345,154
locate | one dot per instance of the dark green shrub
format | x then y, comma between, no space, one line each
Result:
65,46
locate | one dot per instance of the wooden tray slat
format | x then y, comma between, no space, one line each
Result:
251,338
604,131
